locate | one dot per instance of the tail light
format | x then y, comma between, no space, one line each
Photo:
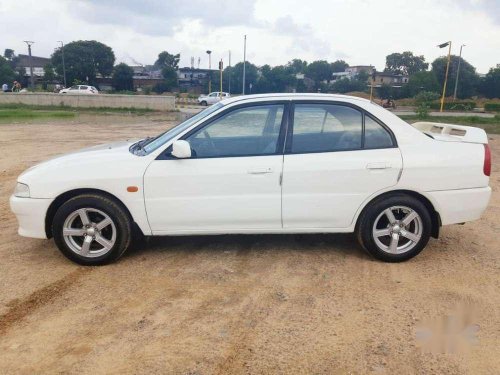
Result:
487,160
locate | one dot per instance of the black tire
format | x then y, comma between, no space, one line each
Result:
204,103
367,220
118,215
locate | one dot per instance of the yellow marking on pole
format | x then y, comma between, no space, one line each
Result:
445,78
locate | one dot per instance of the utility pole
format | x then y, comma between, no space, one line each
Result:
230,73
446,74
64,65
244,62
209,71
221,66
32,78
458,73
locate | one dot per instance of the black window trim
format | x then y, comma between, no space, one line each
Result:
364,113
166,154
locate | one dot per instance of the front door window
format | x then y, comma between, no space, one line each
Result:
250,131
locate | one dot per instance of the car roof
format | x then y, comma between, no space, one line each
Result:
293,96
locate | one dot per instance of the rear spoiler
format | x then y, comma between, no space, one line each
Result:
452,133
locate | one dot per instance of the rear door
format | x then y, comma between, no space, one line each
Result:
336,157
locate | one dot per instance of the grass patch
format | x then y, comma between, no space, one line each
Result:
24,114
61,108
490,124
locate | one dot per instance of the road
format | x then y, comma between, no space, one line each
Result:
282,304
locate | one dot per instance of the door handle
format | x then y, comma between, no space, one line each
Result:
380,165
260,171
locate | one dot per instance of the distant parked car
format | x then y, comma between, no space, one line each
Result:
212,98
80,90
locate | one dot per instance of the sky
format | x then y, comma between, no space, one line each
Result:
361,32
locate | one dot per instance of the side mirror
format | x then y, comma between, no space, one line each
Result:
181,149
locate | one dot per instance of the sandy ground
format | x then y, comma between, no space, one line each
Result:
240,304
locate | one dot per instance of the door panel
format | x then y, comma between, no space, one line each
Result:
215,195
324,190
232,182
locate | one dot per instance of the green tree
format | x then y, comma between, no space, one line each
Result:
421,81
169,74
339,66
49,74
275,79
122,79
489,86
405,63
344,85
468,79
319,71
236,73
7,74
84,60
166,59
297,66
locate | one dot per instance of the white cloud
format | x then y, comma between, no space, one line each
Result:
361,32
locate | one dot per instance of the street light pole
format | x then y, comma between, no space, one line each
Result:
209,71
458,73
230,73
244,62
446,74
32,78
64,65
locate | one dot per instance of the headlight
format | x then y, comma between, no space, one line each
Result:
22,190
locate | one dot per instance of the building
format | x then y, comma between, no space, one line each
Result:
38,64
194,79
352,71
390,79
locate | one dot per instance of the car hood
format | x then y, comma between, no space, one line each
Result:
94,157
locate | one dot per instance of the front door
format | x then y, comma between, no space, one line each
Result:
231,184
336,157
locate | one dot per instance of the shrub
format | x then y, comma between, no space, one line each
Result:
423,100
492,107
455,106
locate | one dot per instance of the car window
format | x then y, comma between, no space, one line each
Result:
84,87
376,136
213,94
326,128
73,88
241,132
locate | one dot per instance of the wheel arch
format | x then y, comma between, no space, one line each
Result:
435,217
64,197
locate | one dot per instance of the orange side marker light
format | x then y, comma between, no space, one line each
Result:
132,189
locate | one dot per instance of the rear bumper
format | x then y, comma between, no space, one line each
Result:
460,206
30,214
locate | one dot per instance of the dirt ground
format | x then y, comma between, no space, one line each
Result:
284,304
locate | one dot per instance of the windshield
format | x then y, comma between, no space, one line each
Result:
163,138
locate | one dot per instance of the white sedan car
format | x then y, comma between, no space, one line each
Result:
212,98
276,163
80,90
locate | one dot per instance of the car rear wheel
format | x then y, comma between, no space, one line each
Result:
91,229
395,228
204,103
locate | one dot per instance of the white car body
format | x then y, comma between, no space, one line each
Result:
80,90
212,98
279,193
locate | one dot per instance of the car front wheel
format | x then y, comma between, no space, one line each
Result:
395,228
91,229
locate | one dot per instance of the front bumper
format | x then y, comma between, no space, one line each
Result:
460,206
30,214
